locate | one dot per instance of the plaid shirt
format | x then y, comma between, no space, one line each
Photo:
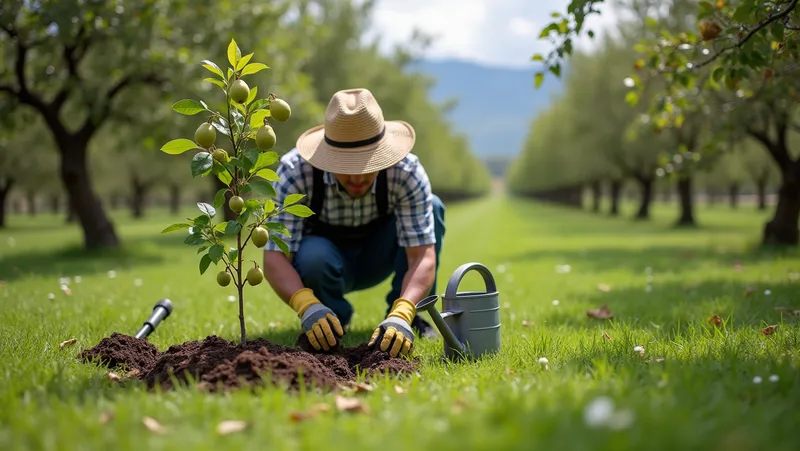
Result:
409,192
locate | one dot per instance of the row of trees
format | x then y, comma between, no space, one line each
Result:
659,100
82,87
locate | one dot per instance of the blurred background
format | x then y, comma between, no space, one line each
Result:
86,89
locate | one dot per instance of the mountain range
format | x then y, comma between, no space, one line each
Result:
494,106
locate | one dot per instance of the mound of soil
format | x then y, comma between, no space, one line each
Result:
217,364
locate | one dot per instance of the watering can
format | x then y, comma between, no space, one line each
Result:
470,320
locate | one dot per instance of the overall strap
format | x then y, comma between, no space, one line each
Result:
382,193
317,193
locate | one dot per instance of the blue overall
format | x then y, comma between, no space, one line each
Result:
336,260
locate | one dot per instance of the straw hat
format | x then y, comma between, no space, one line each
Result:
355,138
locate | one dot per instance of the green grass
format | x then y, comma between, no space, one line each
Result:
701,396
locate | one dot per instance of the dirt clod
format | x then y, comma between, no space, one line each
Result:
217,364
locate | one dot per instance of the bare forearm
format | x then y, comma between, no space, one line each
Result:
281,275
419,279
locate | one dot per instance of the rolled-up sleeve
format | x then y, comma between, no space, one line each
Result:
291,181
414,210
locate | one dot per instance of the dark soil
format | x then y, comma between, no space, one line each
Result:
217,364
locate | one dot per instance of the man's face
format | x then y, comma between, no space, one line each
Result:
356,185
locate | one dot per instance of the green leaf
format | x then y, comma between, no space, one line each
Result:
299,210
280,243
292,199
268,174
277,227
258,104
555,69
220,228
201,249
188,107
205,261
252,155
262,187
208,64
225,178
201,221
257,119
233,228
632,98
251,97
201,163
718,74
244,217
233,253
194,239
266,159
539,79
219,198
243,62
252,204
234,54
253,68
175,227
207,209
215,253
537,57
215,81
269,206
178,146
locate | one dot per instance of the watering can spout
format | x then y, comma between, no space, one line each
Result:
429,305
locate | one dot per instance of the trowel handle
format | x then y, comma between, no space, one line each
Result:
455,279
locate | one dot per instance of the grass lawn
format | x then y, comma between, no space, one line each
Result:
694,387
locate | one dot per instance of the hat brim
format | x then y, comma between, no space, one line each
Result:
395,145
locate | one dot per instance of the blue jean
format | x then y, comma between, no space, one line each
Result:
331,271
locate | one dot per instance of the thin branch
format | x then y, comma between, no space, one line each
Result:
753,32
73,54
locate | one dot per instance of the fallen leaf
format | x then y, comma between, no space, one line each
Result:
526,323
715,320
399,390
793,312
357,387
659,359
231,426
606,336
509,371
769,330
112,376
105,417
458,406
153,425
601,313
344,404
71,341
603,287
309,414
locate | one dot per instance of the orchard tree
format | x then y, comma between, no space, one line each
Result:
741,45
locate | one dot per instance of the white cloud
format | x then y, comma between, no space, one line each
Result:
493,32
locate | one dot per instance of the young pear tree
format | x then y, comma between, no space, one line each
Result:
242,164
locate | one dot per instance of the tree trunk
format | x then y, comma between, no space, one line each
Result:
761,186
616,189
686,197
597,195
646,185
55,203
782,229
70,213
5,188
30,197
218,185
733,195
174,198
98,231
138,197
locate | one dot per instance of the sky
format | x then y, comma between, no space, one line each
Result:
502,33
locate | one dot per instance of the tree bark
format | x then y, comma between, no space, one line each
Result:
138,197
174,198
30,197
686,197
733,195
783,228
98,231
597,195
218,185
5,188
646,193
70,213
616,190
761,187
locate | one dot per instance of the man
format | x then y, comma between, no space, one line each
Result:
374,216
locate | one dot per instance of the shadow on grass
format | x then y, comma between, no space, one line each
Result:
677,309
659,258
75,260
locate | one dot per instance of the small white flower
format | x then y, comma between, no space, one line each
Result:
51,296
598,412
757,380
629,82
231,298
767,292
64,287
543,360
63,280
112,274
78,279
773,378
137,282
501,268
555,302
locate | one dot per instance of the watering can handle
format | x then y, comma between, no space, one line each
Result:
455,279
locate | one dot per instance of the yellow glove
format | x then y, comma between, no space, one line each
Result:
394,333
318,322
